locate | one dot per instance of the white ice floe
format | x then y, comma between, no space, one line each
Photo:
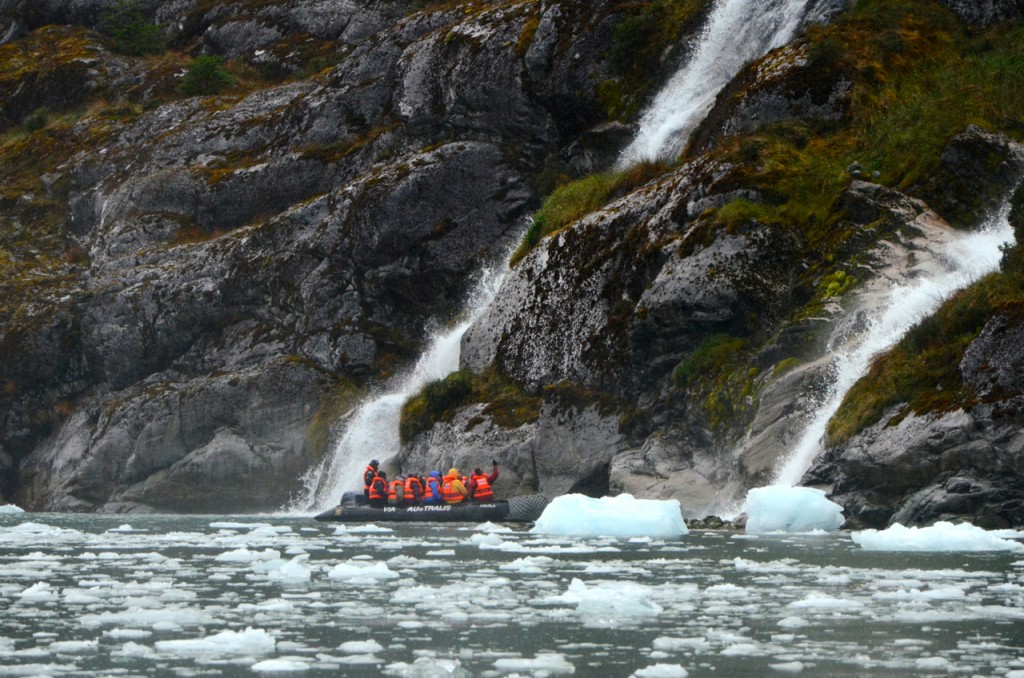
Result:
670,644
125,634
280,666
662,671
352,571
427,667
247,556
545,663
10,509
788,667
790,509
576,515
610,600
793,622
74,646
295,570
360,647
247,642
942,536
528,565
821,601
40,592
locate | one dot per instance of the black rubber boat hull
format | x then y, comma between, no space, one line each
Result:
516,510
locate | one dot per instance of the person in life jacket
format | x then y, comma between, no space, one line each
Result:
453,490
413,490
480,484
378,492
396,492
432,489
368,475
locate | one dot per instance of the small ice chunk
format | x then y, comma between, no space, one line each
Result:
820,601
10,509
292,571
279,666
74,646
788,667
933,664
576,515
124,634
40,592
249,641
942,536
357,571
662,671
790,509
614,600
360,647
247,556
545,663
793,622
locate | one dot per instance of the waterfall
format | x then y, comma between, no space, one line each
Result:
372,431
737,32
965,258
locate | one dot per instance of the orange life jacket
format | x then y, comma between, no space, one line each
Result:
378,488
482,490
368,475
413,490
393,488
449,494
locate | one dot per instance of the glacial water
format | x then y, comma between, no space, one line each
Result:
244,595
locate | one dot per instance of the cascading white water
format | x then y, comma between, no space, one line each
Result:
373,429
966,258
737,31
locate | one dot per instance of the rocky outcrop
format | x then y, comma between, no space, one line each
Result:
976,171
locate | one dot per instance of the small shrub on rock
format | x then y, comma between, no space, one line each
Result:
206,75
129,30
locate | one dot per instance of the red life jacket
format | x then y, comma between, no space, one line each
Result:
449,494
413,490
368,475
378,489
483,491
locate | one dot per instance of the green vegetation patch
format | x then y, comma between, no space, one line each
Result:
573,201
206,75
130,30
505,402
718,376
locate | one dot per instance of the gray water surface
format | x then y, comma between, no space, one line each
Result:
242,595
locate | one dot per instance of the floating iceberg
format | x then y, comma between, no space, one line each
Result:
575,515
942,536
10,509
791,509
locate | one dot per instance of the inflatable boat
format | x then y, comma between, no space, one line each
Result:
354,509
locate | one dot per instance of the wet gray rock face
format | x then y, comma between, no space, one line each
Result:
986,12
246,257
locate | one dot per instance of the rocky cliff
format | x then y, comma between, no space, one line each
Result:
200,279
194,287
